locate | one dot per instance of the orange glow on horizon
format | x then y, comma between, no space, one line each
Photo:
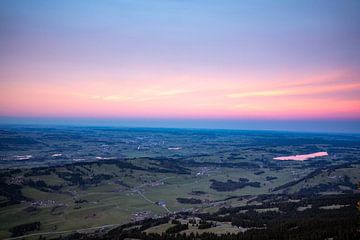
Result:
327,95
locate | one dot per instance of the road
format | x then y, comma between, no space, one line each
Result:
136,189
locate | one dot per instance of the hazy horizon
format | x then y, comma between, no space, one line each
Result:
315,126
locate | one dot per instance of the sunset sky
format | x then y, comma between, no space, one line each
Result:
180,59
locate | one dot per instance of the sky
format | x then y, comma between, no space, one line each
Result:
288,62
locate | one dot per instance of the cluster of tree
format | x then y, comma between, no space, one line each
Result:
288,223
40,171
122,183
80,179
42,186
244,165
81,201
145,224
12,192
288,212
284,205
322,187
293,183
175,221
148,223
231,185
300,229
177,228
167,165
188,200
31,210
337,199
316,164
57,210
20,230
205,224
270,178
276,151
197,193
235,156
4,175
161,165
272,165
17,142
328,187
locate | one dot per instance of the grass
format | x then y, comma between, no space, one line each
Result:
221,228
111,203
107,205
160,228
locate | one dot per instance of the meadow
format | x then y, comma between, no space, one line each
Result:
130,175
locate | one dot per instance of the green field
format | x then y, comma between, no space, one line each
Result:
73,195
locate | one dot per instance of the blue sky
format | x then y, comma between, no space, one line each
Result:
269,61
